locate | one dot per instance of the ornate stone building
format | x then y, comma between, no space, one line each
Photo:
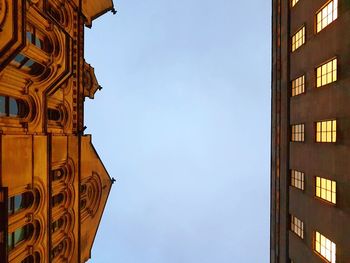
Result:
53,185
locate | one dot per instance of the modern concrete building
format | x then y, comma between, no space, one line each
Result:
310,164
53,185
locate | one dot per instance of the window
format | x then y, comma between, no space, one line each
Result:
294,2
38,39
19,202
19,235
326,189
297,179
11,107
298,133
298,39
297,226
57,199
326,15
298,86
326,131
326,73
325,247
28,65
56,225
53,114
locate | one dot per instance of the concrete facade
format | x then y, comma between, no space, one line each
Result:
327,160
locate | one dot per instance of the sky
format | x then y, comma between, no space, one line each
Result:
183,124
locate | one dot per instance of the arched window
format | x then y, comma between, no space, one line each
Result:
19,202
57,250
57,174
29,259
38,39
57,199
28,65
11,107
56,225
56,14
53,114
21,234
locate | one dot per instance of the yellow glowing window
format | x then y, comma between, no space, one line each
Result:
326,73
326,189
326,131
297,226
298,86
297,179
294,2
326,15
298,133
325,247
298,39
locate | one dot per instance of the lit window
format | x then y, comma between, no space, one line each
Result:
327,15
298,133
297,179
294,2
326,73
326,131
325,247
326,189
298,39
298,86
297,226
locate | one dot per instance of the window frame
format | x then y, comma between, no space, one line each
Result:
336,131
320,10
303,26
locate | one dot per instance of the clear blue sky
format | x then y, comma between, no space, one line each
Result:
183,123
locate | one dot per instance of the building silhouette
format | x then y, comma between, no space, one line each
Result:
53,185
310,168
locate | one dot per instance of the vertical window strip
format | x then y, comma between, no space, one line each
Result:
326,189
326,131
298,133
297,226
298,86
298,39
297,179
326,73
326,15
325,247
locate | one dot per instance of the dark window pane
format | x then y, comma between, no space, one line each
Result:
28,259
53,114
2,106
18,203
10,241
20,58
13,107
38,42
29,63
20,235
30,37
